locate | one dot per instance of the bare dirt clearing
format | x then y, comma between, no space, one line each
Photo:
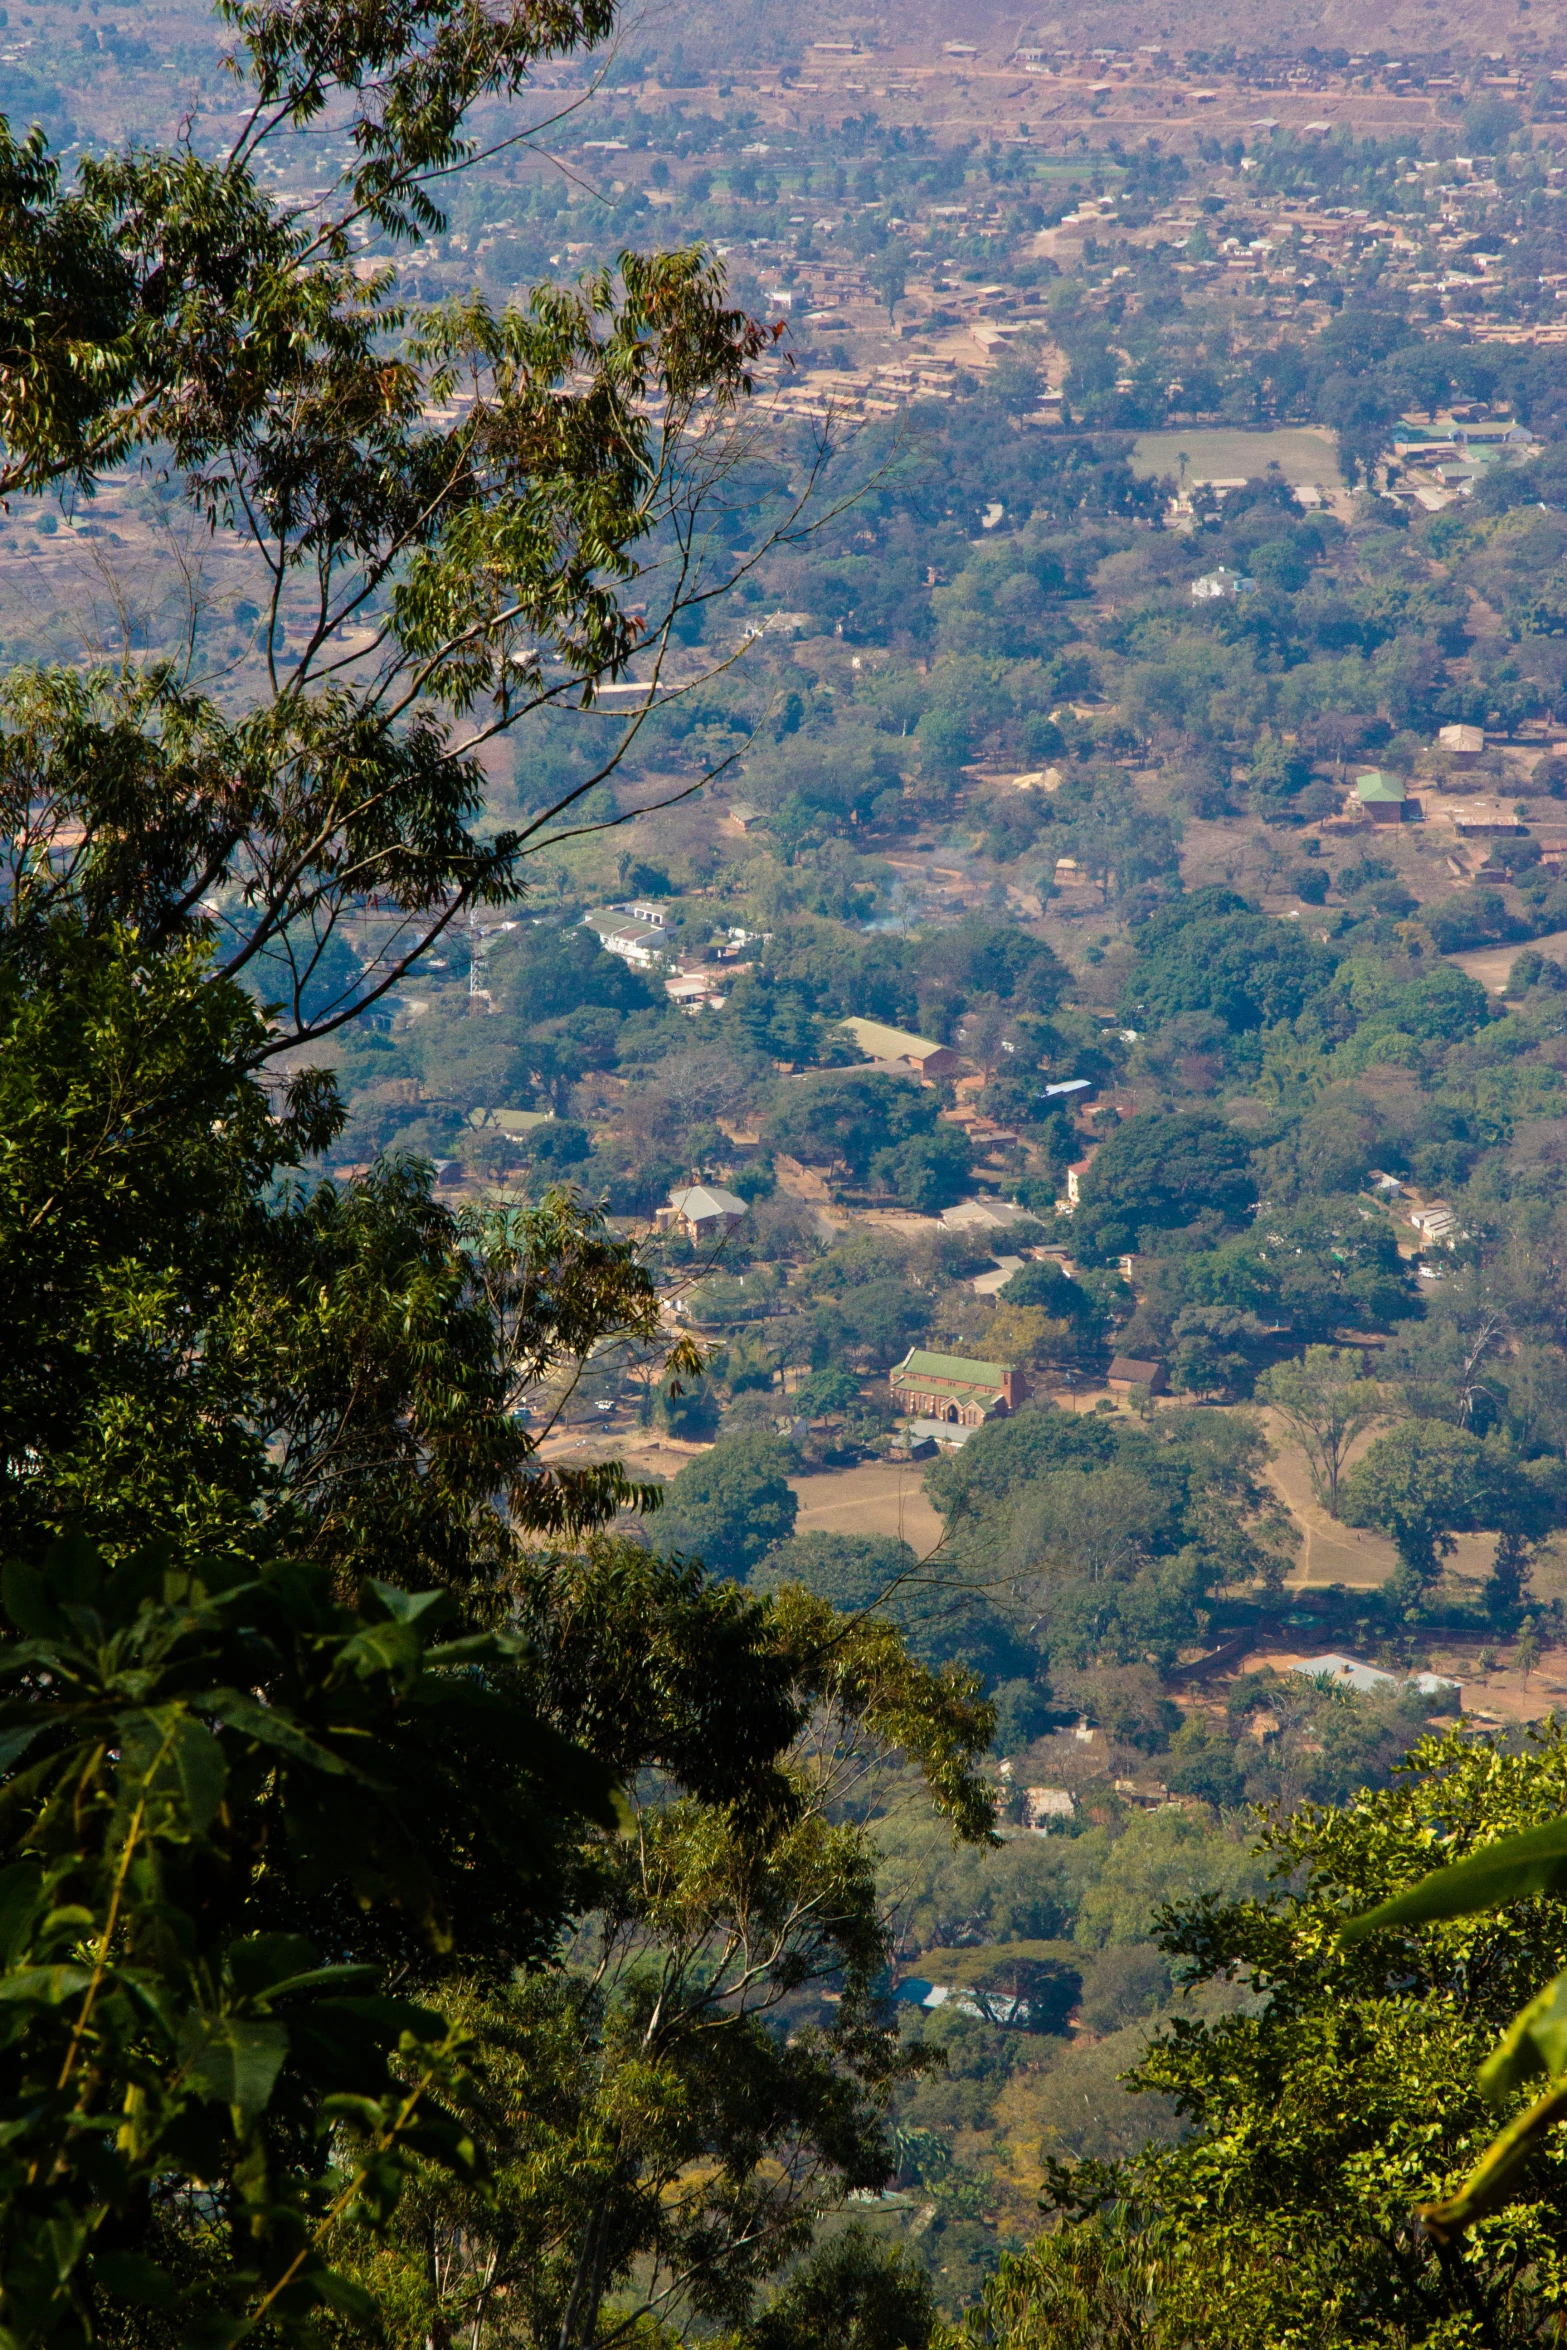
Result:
1490,965
877,1497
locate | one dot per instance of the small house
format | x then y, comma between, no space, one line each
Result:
1074,1179
704,1212
1221,586
639,943
1348,1672
954,1389
1381,796
1047,1807
1464,745
1129,1371
985,1216
691,990
897,1048
1486,820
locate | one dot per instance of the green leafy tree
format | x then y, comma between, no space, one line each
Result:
1420,1484
1157,1173
928,1172
1321,1267
675,2106
194,1349
1345,2095
1043,1285
844,1120
888,272
233,1808
1212,952
1326,1402
732,1504
851,2289
852,1572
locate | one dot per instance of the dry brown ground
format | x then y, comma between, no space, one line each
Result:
877,1497
1490,965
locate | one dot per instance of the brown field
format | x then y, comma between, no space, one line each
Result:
878,1497
1490,965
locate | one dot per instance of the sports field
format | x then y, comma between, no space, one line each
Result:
1302,453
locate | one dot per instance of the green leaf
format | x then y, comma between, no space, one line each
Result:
21,1897
348,2299
383,1648
29,1602
234,2060
137,1580
260,1961
176,1755
269,1726
14,1743
42,1986
260,1968
127,2276
73,1570
1509,1870
408,1607
1534,2043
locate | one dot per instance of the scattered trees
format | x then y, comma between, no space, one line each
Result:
1326,1402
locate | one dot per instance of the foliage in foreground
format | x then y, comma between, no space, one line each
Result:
1341,2096
238,1813
233,1808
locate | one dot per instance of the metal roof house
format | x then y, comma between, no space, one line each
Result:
986,1215
898,1048
1348,1672
1381,796
704,1211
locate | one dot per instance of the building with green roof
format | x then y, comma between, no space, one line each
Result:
956,1389
1381,796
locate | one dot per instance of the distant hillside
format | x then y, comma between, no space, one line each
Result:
751,31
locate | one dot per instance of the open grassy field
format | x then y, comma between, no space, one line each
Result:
1302,453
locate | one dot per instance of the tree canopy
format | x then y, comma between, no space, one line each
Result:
1158,1173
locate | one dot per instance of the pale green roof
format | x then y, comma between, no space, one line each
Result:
1374,785
921,1369
880,1043
510,1121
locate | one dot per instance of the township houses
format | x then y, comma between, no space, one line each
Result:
895,1048
954,1389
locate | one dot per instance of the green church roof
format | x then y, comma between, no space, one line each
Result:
921,1369
1374,785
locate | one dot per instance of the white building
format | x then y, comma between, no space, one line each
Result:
1215,586
1348,1672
